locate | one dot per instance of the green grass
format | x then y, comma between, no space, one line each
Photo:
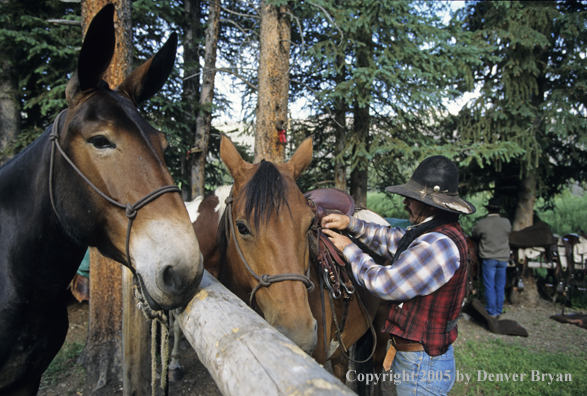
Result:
497,357
65,361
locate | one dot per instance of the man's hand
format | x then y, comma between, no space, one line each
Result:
340,241
335,221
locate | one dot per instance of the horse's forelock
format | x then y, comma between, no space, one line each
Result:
264,194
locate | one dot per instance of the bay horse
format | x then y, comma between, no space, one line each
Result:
261,252
95,177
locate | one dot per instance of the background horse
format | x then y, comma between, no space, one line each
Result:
96,177
270,223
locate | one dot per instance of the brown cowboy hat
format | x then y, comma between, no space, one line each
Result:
435,182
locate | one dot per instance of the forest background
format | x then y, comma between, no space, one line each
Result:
372,80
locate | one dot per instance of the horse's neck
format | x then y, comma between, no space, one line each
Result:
23,173
27,219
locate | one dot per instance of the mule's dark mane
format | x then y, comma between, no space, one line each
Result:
264,194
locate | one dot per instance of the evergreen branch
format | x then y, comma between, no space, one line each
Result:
315,93
64,22
239,27
300,28
239,14
226,70
331,21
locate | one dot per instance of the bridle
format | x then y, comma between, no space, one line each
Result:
130,209
264,280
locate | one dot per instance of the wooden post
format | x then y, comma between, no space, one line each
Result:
244,354
136,346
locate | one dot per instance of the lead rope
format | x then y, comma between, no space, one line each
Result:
159,320
164,352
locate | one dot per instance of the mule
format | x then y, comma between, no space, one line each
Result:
263,255
95,177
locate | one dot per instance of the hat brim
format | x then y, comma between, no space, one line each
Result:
453,204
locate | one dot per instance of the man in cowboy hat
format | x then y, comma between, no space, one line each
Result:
426,282
493,233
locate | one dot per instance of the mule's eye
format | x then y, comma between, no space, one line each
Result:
242,228
100,142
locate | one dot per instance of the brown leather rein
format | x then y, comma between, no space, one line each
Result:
130,209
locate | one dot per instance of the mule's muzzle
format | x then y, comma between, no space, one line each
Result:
172,286
179,280
145,294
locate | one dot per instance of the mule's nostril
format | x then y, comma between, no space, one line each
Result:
169,278
169,281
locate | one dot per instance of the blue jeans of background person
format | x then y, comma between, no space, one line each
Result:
494,283
422,374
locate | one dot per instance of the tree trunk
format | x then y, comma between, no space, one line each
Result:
9,104
102,357
191,89
9,110
273,83
526,200
204,119
340,131
360,172
361,123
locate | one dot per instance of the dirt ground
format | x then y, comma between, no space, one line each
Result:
545,334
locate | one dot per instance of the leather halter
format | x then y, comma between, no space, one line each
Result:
264,280
130,209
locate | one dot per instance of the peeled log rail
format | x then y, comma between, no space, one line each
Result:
244,354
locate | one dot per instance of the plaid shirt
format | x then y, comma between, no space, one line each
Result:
408,277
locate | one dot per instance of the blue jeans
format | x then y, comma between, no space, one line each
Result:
494,283
422,374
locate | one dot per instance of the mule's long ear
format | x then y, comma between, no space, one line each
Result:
301,158
148,78
96,53
235,164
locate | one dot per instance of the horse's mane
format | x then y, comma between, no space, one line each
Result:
264,194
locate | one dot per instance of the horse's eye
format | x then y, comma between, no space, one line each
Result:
100,142
242,228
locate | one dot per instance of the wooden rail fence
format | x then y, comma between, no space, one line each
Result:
244,354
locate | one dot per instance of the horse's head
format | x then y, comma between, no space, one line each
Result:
269,222
117,150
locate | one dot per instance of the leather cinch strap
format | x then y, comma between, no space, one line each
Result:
130,209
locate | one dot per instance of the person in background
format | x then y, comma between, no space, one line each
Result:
426,281
492,233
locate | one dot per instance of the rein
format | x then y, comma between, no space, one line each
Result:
130,209
264,280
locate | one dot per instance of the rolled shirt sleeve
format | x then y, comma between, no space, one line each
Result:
430,261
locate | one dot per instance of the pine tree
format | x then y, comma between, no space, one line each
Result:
401,65
529,122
